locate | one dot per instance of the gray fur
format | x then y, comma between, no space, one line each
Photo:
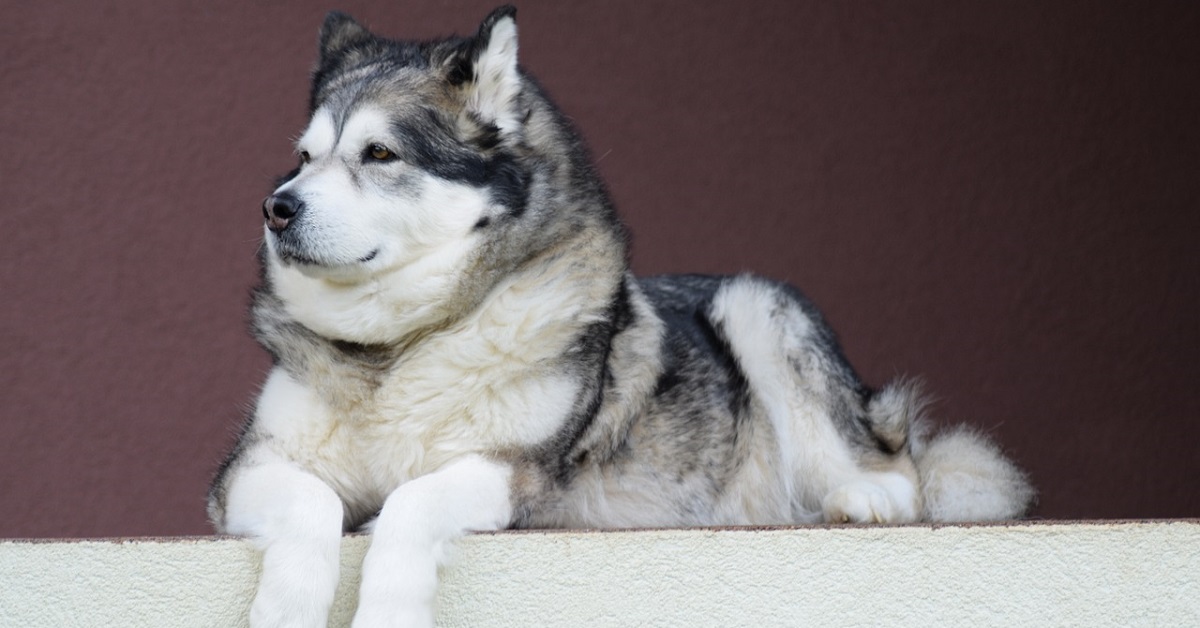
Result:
671,422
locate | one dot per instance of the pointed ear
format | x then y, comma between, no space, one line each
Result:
488,70
338,33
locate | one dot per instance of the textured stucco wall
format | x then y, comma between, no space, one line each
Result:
1092,574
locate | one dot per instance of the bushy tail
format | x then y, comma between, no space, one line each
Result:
965,477
963,474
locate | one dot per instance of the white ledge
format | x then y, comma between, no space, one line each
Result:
1038,574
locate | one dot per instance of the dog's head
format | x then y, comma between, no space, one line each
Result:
407,152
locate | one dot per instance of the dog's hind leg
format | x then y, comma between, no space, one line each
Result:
832,462
873,497
411,537
887,491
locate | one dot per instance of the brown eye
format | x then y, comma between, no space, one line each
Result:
379,152
305,157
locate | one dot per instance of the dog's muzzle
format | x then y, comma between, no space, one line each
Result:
279,210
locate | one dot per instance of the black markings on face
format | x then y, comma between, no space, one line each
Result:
279,181
427,143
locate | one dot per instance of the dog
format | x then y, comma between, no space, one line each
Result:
459,345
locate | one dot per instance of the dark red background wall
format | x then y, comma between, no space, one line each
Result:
999,197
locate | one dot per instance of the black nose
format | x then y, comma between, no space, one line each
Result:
280,209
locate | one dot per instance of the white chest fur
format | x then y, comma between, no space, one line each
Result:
494,380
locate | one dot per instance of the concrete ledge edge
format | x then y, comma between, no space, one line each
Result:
1096,573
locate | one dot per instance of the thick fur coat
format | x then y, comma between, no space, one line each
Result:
459,345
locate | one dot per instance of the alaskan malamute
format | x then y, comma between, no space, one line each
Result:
459,345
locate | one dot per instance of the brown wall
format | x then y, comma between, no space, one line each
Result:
1000,197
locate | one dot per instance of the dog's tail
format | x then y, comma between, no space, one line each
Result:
963,474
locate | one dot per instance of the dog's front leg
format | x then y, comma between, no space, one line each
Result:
296,520
412,533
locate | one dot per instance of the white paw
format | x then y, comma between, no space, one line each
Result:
393,616
882,498
292,604
399,586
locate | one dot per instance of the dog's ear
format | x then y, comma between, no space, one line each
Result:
486,67
338,33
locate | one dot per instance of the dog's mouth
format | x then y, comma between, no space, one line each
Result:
293,255
299,259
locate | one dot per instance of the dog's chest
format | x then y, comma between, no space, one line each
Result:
454,395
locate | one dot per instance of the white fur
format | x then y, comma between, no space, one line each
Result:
418,238
374,310
872,498
964,477
477,386
473,387
454,401
286,409
340,219
296,521
497,79
820,473
320,137
355,219
410,537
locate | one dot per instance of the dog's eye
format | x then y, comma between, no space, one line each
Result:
305,157
379,152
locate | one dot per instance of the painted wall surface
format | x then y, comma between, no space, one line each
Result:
1114,574
1000,198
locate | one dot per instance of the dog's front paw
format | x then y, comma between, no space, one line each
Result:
399,587
887,498
297,585
294,607
393,616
